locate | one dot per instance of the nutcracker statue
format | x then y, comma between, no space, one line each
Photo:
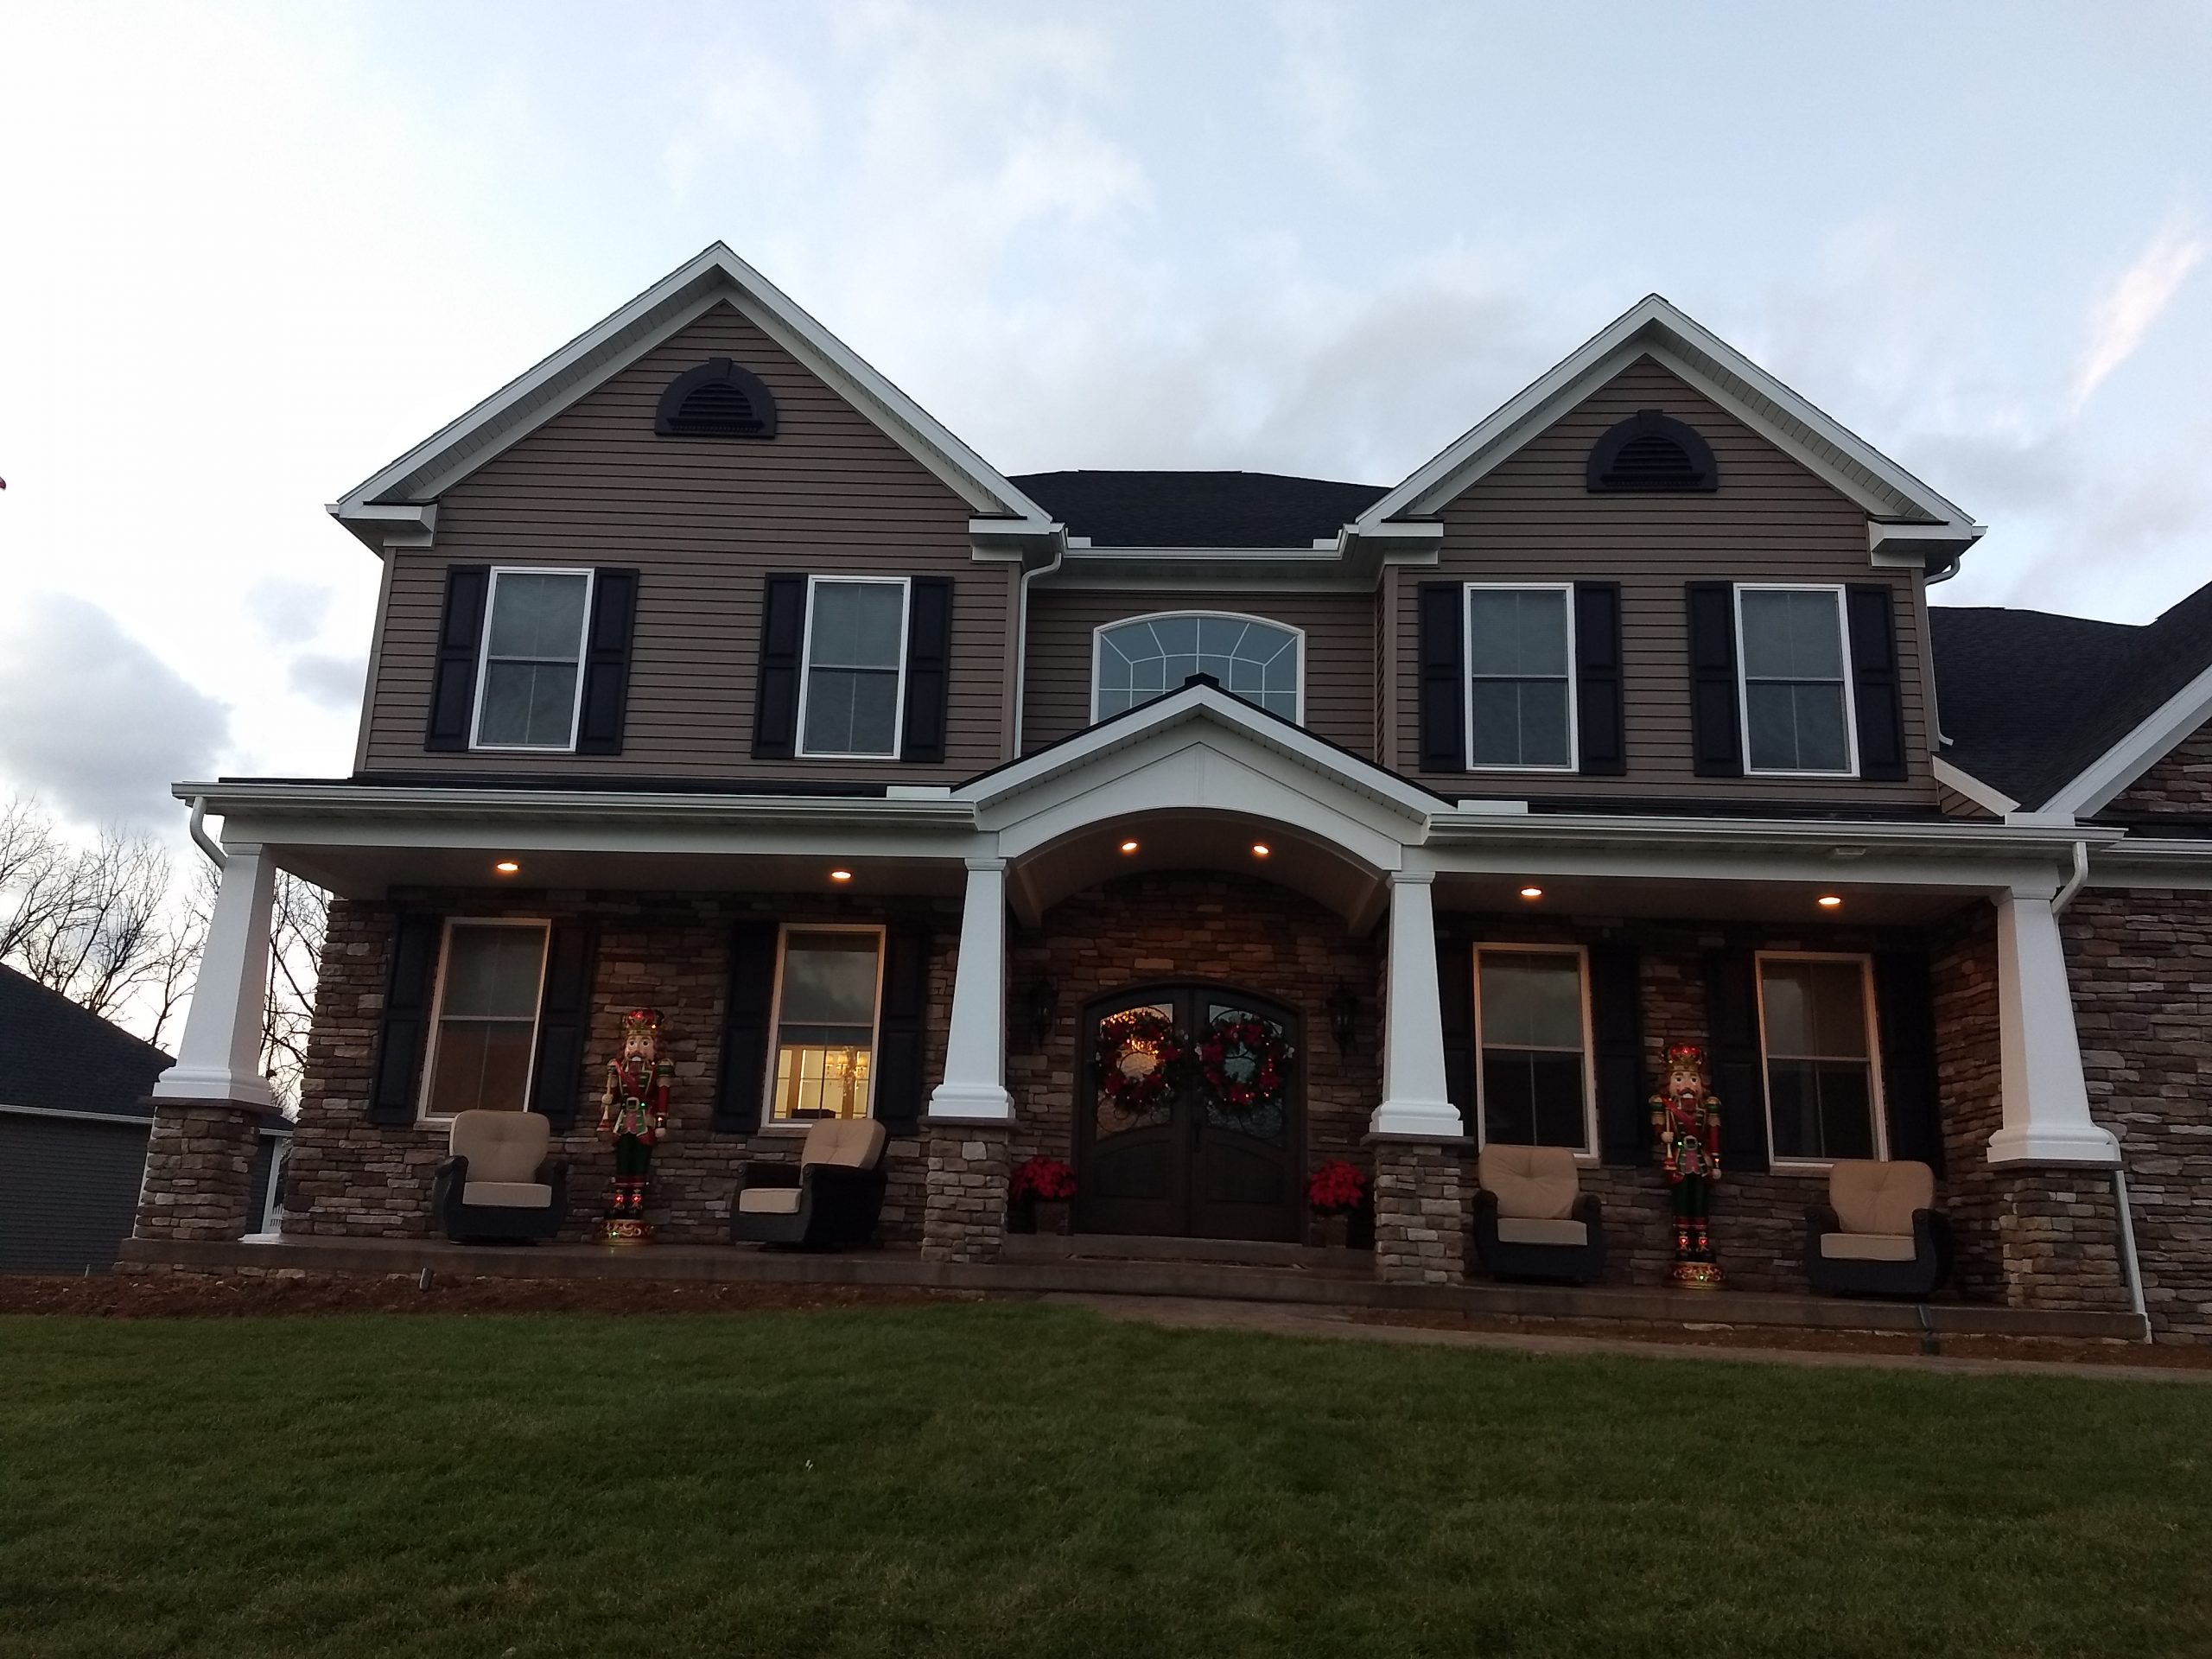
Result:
633,1113
1686,1118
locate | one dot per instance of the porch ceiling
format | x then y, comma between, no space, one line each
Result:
1791,903
363,872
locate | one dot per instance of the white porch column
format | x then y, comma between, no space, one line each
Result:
220,1058
974,1089
2045,1098
1415,1099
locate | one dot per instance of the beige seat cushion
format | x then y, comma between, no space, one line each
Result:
1868,1247
1533,1182
1520,1230
1869,1195
507,1195
768,1201
843,1143
500,1147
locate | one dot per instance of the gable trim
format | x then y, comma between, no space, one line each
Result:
2152,740
1961,782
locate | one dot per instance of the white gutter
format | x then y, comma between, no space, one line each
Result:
560,805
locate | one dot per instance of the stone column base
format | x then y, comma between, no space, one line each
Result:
1421,1211
2058,1239
963,1208
199,1170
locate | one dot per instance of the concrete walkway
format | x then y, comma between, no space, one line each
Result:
1275,1319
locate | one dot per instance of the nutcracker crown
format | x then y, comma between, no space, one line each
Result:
1686,1054
641,1022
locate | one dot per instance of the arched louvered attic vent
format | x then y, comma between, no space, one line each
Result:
1650,451
717,400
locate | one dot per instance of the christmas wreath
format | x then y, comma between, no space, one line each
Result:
1138,1051
1243,1060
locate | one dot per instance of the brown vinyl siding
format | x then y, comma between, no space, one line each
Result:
1771,520
1339,665
704,521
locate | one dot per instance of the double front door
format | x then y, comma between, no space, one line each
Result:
1161,1146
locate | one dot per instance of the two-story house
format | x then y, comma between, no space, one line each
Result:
712,674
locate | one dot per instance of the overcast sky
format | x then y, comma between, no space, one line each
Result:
251,252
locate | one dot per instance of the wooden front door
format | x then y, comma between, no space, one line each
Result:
1185,1163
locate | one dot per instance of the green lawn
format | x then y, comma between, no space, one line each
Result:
1004,1479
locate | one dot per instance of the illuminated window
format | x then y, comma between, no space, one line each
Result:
826,997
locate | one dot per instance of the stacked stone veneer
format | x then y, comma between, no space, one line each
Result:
199,1179
2140,962
1420,1212
965,1208
350,1178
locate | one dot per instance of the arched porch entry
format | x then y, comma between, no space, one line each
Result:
1158,1150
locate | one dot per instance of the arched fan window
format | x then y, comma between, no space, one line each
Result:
1650,451
1146,656
717,400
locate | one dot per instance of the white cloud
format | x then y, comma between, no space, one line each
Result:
2124,313
288,612
336,683
94,722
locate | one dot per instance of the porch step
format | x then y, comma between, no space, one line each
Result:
1236,1252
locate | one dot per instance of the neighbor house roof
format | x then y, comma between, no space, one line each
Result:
1178,509
59,1057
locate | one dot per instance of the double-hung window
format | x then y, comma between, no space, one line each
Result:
1532,1031
1796,695
1822,1082
1142,658
829,987
484,1035
530,681
1521,677
853,683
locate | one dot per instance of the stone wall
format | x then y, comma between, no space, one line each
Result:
2179,786
964,1203
351,1178
1421,1212
2140,961
199,1179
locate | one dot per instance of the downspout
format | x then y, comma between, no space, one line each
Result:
2129,1263
1021,636
207,842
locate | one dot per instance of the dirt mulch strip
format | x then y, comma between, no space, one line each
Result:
126,1296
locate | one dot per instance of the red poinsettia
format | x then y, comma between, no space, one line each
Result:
1336,1188
1043,1177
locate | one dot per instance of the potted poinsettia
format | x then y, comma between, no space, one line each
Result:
1042,1188
1334,1193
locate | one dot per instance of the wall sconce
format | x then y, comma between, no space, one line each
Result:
1038,1009
1343,1018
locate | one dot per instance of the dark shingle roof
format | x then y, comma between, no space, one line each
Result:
55,1054
1142,509
2030,699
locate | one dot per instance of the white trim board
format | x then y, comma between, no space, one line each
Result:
1961,782
2152,740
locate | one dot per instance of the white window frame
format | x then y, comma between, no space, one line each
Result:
484,658
770,1123
1876,1104
905,586
1744,685
545,926
1587,1152
1099,633
1467,675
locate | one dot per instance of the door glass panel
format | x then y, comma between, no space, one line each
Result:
1126,1042
1268,1121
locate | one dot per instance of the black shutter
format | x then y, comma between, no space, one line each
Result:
1904,1007
396,1075
1716,743
929,664
1616,1042
1733,1055
1877,698
747,1000
1443,736
607,662
461,637
563,1023
1455,991
902,1029
783,637
1599,705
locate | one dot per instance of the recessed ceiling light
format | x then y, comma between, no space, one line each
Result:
1532,892
1260,849
1828,901
841,875
1129,845
507,867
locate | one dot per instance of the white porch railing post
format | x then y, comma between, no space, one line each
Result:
974,1089
2046,1098
220,1058
1416,1101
